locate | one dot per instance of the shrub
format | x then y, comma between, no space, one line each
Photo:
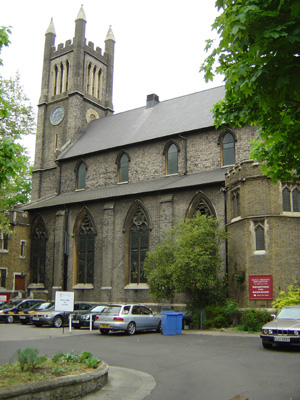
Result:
289,299
252,320
84,358
221,316
29,359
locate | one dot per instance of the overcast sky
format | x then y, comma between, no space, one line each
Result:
159,44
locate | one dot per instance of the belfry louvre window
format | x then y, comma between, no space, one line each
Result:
86,244
291,198
38,253
139,244
228,149
172,160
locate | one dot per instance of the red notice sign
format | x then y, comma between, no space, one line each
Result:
260,287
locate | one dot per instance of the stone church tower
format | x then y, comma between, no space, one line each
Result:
77,86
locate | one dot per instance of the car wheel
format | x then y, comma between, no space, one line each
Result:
104,331
131,328
9,319
158,329
57,323
267,345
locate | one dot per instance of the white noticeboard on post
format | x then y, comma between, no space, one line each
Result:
64,301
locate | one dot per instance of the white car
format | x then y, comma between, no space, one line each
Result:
284,329
127,317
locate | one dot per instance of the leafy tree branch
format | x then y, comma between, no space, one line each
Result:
258,55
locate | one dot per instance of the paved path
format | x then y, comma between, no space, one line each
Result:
125,384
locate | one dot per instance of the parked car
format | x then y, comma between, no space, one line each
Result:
11,310
9,303
127,317
83,319
57,318
25,317
284,329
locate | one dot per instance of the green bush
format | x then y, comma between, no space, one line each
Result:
29,359
84,358
221,316
289,299
252,320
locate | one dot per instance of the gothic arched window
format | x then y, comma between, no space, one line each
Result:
122,166
259,231
171,158
38,251
80,175
85,244
291,198
139,244
200,204
228,149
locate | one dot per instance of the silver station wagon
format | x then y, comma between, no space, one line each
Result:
127,317
284,329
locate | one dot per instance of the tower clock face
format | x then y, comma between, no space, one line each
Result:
57,115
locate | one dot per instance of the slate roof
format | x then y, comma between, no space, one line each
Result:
166,118
162,185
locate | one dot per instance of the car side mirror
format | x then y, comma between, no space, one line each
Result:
273,316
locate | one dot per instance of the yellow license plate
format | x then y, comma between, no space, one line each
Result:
104,326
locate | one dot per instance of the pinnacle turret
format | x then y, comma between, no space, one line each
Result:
81,14
51,28
110,34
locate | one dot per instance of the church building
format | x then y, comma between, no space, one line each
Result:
106,186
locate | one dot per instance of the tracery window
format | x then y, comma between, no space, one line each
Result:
139,244
171,160
202,208
85,248
38,252
228,149
200,204
291,198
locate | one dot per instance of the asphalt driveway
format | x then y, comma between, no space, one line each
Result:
194,365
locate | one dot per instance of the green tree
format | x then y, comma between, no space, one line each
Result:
258,54
15,169
16,121
4,41
187,261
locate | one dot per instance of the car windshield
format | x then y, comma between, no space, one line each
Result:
112,310
44,306
37,306
289,313
97,309
8,305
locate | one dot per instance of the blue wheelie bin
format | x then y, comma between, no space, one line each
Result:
171,322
